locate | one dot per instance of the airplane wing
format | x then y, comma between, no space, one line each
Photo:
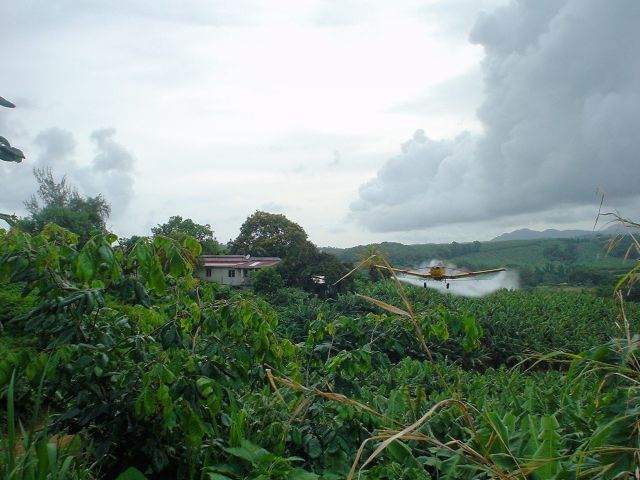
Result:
445,276
472,274
408,272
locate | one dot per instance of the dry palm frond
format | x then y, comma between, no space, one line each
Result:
335,397
406,431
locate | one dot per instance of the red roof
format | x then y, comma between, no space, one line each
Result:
238,261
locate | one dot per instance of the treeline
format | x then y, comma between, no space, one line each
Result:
408,255
262,234
303,265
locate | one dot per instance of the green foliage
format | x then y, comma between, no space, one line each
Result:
158,374
315,272
61,204
6,103
34,453
268,235
12,304
266,281
7,152
255,462
131,473
170,374
180,229
517,324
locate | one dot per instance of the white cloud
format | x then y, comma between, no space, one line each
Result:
109,174
560,118
221,101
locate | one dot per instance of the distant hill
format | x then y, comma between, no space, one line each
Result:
527,234
596,259
592,251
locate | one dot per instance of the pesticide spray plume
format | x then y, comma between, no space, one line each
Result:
466,287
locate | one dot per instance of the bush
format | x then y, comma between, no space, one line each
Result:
266,281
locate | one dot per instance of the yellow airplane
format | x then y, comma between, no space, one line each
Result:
439,273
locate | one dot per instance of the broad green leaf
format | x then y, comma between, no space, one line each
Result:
177,264
548,452
314,448
11,154
84,266
141,252
300,474
156,277
250,452
106,254
216,476
131,473
192,246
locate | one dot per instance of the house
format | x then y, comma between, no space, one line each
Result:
232,269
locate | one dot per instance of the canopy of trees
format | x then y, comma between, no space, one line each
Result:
268,235
60,203
178,228
274,235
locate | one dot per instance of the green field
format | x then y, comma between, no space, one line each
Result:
116,363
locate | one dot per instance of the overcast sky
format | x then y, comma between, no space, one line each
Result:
409,121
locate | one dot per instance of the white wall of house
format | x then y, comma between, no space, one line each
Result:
223,275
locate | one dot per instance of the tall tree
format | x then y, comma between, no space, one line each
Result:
178,228
274,235
268,234
60,203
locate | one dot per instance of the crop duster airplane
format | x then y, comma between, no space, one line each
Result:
440,273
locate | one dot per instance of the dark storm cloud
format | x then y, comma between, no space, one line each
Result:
561,117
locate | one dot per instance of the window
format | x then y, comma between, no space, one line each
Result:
208,272
246,272
232,273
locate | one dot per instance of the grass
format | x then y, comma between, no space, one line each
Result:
32,453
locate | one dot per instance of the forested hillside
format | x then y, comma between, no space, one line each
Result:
593,252
596,261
